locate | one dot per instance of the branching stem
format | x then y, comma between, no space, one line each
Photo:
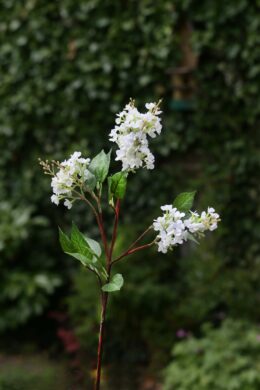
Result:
104,295
132,248
109,254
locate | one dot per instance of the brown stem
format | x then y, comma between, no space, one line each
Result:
102,233
82,197
130,252
101,339
104,295
131,248
139,238
99,218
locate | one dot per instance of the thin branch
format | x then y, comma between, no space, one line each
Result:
130,252
101,225
82,197
99,219
101,340
132,248
139,238
102,232
117,210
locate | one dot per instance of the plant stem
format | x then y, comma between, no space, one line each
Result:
140,237
132,248
117,210
130,252
109,254
101,339
99,218
104,295
102,233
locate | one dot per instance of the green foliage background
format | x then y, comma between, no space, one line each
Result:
207,363
66,69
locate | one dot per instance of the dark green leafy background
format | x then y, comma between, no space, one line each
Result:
66,69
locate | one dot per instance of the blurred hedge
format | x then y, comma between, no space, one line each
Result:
66,69
65,73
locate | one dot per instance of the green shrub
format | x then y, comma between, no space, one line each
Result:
66,68
222,358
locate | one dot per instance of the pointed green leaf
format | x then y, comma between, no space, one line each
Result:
99,166
80,247
83,259
117,185
65,242
94,246
184,201
83,242
91,181
80,243
115,284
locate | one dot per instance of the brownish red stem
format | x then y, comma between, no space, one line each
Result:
130,252
109,255
132,248
102,233
100,340
104,295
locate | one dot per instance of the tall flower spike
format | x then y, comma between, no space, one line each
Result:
131,134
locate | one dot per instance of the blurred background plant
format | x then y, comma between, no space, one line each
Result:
67,68
223,358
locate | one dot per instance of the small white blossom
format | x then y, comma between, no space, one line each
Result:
174,227
68,203
72,174
194,224
170,227
131,135
55,199
210,219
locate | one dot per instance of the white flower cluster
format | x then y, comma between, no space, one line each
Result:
175,227
72,173
131,135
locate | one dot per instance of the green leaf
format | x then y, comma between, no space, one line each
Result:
91,181
84,243
94,246
65,242
115,284
79,242
74,247
99,166
85,260
117,185
184,201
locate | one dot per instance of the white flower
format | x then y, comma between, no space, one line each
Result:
210,219
174,227
131,135
55,199
68,203
72,174
171,228
150,106
194,223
